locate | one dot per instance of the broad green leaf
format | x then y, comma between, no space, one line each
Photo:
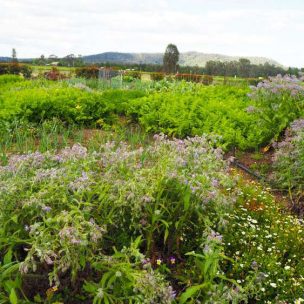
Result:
13,297
8,256
191,291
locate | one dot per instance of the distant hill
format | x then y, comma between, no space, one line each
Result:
5,59
188,58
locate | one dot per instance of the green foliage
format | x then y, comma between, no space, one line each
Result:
157,76
242,68
72,105
187,112
175,108
9,79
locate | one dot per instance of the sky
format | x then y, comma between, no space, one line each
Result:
268,28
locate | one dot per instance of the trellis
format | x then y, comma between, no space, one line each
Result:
106,74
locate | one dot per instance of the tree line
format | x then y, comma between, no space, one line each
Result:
241,68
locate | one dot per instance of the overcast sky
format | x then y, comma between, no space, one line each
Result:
270,28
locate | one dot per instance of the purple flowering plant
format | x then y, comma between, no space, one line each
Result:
121,224
277,101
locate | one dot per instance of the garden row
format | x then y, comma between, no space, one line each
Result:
162,224
176,109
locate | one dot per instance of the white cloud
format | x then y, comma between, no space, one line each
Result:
92,26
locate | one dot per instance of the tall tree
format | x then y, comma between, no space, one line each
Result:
170,59
42,59
70,59
14,55
244,67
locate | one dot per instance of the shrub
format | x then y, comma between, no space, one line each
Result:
87,72
133,74
289,164
278,101
54,75
207,80
15,68
157,76
128,78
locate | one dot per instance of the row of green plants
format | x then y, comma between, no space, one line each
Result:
219,110
36,101
246,122
24,137
160,224
177,109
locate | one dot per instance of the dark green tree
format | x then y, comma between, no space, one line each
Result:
244,67
170,59
14,55
42,60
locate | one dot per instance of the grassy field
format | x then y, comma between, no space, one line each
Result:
41,69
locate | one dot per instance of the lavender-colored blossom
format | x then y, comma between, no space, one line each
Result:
279,85
69,234
214,183
172,293
145,261
147,199
298,125
251,109
80,183
46,208
215,236
76,152
207,249
47,174
254,265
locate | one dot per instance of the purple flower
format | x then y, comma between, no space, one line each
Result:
145,261
254,265
251,109
172,260
46,208
215,236
147,199
298,125
172,293
215,183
